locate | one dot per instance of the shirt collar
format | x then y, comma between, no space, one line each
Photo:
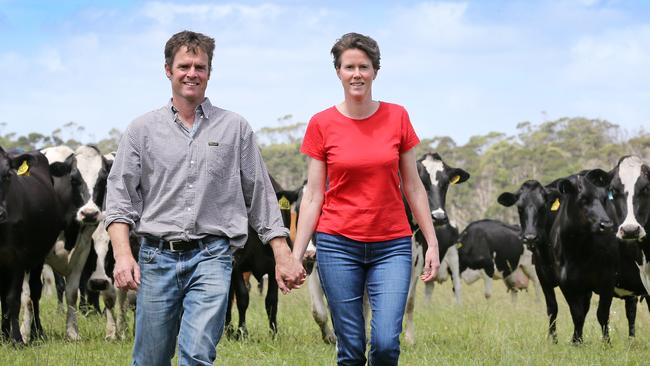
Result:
203,109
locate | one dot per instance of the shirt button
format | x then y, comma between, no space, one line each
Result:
191,162
189,209
191,186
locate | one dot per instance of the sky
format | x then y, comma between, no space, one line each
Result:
461,68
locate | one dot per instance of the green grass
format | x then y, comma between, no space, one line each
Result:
479,332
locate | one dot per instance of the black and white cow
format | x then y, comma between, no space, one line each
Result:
629,206
583,248
258,259
29,223
82,191
436,176
495,248
537,206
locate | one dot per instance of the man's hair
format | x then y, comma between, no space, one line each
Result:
356,41
193,41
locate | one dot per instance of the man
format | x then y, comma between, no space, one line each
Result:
189,178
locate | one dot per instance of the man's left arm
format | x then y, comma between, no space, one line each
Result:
264,212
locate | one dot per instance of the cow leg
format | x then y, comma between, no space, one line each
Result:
13,306
229,329
604,305
59,283
27,307
551,311
488,284
454,267
36,292
630,314
76,263
428,291
318,306
109,296
243,299
578,301
416,269
271,304
122,305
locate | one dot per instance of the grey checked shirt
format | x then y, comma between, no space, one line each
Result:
174,183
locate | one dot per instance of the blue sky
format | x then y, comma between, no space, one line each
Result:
461,68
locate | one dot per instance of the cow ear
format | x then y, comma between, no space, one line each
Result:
507,199
22,162
565,186
458,175
59,169
598,177
108,164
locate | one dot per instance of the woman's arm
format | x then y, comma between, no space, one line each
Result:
417,199
310,207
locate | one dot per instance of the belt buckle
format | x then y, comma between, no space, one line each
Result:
171,245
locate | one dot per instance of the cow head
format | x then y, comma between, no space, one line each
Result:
84,185
585,195
10,168
436,177
630,195
536,206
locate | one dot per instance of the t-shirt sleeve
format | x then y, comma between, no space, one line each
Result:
312,143
408,139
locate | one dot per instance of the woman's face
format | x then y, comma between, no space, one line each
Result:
356,74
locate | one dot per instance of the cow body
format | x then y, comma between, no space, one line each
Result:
258,259
495,248
537,207
584,251
82,192
436,176
29,223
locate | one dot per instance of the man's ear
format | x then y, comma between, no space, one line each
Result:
168,71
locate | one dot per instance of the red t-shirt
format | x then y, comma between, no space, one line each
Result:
363,201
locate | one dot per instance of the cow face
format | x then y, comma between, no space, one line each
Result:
536,206
630,195
586,196
436,177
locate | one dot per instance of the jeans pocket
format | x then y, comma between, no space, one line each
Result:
147,254
220,160
218,249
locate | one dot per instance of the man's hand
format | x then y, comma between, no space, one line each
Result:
289,272
431,264
126,274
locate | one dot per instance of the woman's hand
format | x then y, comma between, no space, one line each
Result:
431,264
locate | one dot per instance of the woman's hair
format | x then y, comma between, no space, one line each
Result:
356,41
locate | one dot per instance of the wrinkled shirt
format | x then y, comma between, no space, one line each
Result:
177,183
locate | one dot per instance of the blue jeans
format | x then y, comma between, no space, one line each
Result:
346,267
184,295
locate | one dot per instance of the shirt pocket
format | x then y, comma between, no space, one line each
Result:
221,160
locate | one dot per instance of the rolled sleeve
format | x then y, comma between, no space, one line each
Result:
259,196
123,198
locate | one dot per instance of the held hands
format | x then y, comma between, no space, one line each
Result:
431,264
289,272
126,273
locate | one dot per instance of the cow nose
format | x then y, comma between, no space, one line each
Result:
439,216
630,231
606,225
530,238
97,284
90,215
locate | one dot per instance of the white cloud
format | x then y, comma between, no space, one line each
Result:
166,13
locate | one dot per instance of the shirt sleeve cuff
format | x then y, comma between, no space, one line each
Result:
271,233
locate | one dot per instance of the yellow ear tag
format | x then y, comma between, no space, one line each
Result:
455,179
284,203
459,245
556,205
24,169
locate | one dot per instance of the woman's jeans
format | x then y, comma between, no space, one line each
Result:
346,267
181,294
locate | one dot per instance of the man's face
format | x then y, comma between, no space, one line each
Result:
189,75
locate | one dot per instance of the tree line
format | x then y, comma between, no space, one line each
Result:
496,161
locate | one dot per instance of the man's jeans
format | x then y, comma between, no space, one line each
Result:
185,294
346,267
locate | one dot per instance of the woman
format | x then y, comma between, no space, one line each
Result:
363,147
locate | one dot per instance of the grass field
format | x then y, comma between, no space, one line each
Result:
478,332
